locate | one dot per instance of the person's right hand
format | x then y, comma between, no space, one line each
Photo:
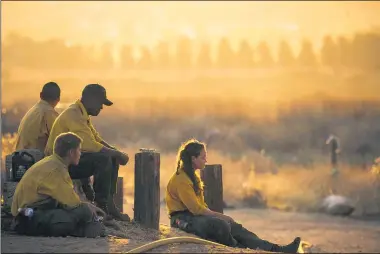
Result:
96,211
123,158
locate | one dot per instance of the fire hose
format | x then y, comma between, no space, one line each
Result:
181,239
186,239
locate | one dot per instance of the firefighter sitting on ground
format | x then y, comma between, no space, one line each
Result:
189,212
45,202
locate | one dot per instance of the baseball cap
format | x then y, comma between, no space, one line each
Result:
98,91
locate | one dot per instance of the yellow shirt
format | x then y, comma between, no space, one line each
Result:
35,127
75,119
48,178
181,196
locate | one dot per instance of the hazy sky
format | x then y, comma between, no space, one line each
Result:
148,22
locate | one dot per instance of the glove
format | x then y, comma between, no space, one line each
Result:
123,159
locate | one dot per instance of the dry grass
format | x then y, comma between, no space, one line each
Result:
293,188
8,142
287,187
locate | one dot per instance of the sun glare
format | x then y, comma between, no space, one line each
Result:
189,32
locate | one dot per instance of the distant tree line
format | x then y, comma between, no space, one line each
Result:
360,52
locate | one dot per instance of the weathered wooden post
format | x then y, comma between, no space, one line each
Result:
147,188
119,196
212,178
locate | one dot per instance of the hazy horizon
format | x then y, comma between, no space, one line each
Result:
146,23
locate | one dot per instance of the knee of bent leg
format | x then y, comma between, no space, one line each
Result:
217,226
217,230
222,227
82,213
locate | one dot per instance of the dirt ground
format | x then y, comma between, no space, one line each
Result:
326,233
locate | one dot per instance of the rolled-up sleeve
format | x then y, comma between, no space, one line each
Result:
188,197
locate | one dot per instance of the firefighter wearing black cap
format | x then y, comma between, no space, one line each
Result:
98,159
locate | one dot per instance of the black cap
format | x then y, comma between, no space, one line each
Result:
97,91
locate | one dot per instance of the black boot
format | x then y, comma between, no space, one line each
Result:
115,212
290,248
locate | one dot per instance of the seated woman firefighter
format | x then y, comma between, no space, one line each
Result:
189,212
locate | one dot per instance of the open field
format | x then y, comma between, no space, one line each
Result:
276,147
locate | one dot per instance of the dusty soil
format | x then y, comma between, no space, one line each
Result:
126,238
326,233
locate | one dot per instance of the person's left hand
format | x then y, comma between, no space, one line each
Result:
123,159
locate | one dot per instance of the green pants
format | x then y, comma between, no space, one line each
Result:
215,229
105,170
55,222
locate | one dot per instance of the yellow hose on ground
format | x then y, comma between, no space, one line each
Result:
181,239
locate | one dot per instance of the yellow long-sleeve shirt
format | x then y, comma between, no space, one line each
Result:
75,119
181,196
48,178
35,127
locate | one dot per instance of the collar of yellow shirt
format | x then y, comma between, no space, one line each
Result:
83,109
60,160
42,102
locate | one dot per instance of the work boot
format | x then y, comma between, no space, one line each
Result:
290,248
115,212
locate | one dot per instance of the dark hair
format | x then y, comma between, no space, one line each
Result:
188,149
65,142
50,92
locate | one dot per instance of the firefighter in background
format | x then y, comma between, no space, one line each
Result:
375,171
35,126
45,202
335,150
333,141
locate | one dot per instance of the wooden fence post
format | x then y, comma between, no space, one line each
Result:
119,197
147,188
212,178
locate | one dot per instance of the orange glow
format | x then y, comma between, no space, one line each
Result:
147,22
